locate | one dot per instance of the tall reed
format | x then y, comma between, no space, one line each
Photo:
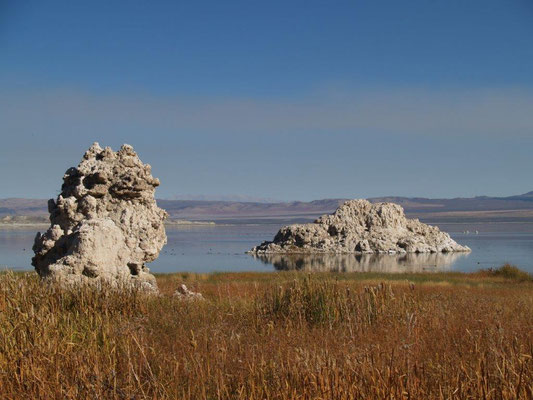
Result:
278,336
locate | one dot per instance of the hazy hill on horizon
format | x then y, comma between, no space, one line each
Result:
517,207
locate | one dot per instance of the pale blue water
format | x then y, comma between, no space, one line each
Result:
221,248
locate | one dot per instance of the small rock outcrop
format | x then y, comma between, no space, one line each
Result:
360,227
105,223
183,293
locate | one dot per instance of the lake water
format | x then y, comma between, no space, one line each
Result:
222,247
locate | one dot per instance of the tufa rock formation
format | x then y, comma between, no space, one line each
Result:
361,227
105,224
183,293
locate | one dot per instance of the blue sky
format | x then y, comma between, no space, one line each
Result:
292,100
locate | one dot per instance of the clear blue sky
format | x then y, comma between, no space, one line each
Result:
290,100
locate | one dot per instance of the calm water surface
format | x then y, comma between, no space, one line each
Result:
221,248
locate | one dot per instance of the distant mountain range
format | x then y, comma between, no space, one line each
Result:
512,208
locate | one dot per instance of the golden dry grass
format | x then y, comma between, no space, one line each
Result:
271,336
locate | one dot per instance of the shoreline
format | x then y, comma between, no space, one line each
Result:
481,276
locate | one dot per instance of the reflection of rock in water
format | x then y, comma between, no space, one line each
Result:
362,263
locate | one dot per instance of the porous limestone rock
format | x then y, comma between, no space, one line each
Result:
183,293
361,227
105,224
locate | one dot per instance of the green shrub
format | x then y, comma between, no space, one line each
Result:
512,272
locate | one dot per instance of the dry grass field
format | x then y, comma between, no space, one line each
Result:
272,336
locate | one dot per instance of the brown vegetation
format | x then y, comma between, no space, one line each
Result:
271,336
508,271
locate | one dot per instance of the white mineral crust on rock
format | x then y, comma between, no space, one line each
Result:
105,224
360,227
183,293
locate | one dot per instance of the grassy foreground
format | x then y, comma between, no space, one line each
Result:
272,336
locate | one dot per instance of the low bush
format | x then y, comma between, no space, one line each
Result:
508,271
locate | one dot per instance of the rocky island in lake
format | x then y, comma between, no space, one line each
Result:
360,227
